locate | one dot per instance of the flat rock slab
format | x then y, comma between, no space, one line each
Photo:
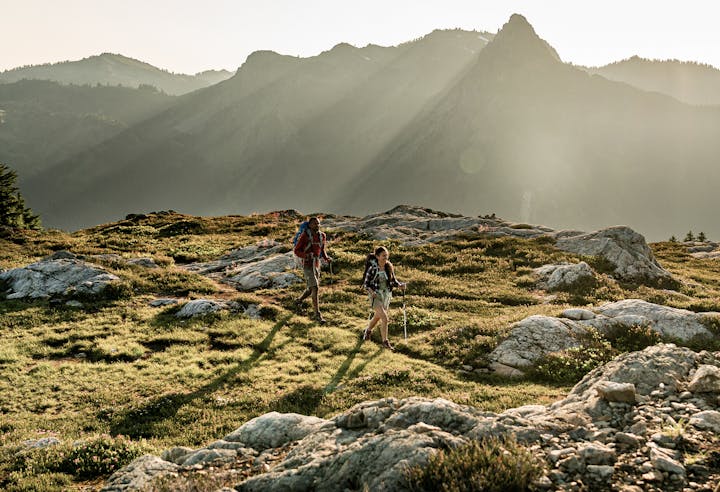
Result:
56,277
264,265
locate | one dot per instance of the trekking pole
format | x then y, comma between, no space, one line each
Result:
404,314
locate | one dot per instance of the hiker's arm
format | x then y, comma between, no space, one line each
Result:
366,280
323,253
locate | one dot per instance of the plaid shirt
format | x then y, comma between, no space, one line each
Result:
372,279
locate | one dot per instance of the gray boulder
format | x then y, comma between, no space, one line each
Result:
705,380
565,277
708,419
56,277
274,429
625,249
668,322
199,307
534,337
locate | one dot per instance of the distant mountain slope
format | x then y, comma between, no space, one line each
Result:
689,82
462,121
114,69
272,135
532,138
44,122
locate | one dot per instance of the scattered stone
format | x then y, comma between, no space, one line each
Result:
663,462
705,380
620,392
602,472
628,439
595,453
74,303
164,302
707,420
143,262
252,311
42,443
199,307
537,336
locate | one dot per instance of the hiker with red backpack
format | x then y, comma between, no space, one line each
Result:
379,281
310,247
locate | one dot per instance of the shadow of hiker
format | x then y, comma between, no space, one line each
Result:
345,366
307,398
142,421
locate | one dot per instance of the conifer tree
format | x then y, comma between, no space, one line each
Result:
690,236
13,212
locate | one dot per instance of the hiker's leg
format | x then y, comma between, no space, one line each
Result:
383,323
374,320
315,299
305,294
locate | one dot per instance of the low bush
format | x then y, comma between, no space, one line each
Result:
490,465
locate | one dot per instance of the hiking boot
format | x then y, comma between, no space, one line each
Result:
319,318
386,344
366,334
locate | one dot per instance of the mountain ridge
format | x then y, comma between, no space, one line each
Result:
115,69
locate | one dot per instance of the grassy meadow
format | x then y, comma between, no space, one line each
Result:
118,367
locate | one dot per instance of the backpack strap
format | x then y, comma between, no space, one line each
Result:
310,240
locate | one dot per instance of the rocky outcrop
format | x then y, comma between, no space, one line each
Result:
260,266
626,250
414,226
610,433
61,274
672,323
537,336
139,474
565,277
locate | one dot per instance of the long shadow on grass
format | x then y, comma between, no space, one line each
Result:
142,421
345,366
307,398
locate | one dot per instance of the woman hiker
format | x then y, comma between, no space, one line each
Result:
379,281
311,248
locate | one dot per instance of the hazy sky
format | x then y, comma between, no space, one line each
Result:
190,36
